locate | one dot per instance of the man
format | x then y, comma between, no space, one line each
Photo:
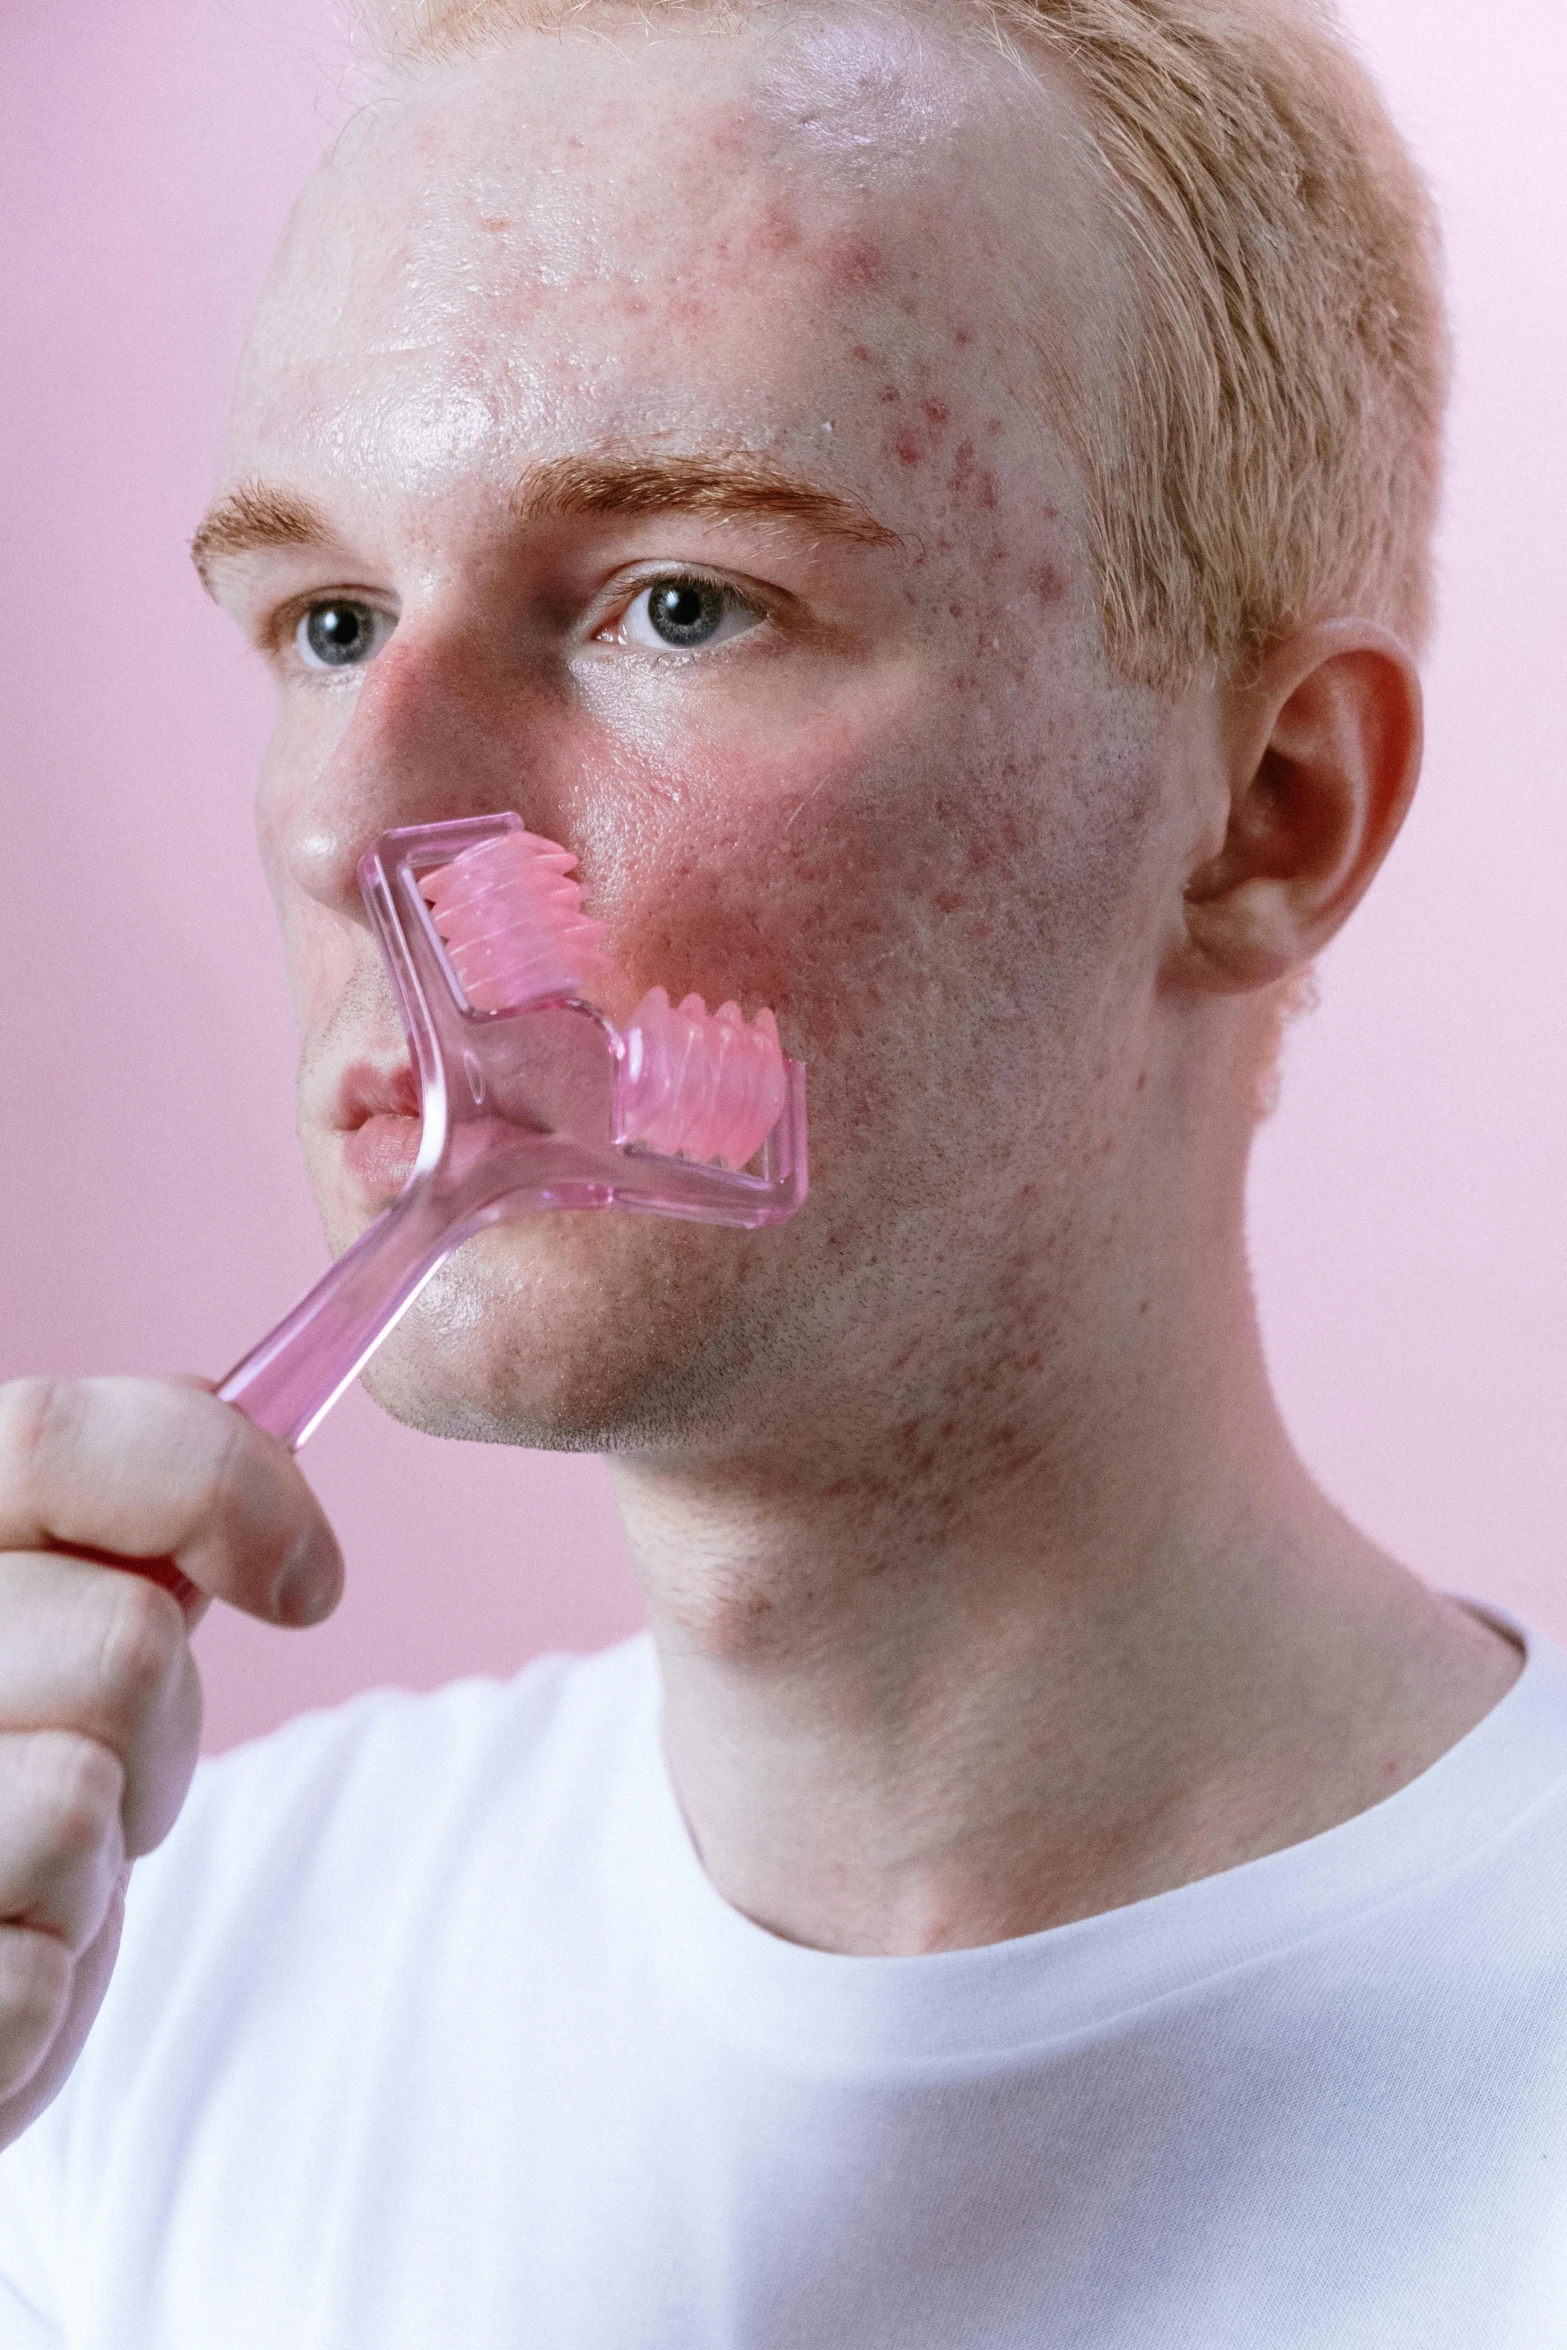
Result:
1048,1879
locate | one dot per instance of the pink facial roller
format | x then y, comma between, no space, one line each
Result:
531,1098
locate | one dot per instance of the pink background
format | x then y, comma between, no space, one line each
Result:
1408,1196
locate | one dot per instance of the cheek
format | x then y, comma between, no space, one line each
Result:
899,873
776,875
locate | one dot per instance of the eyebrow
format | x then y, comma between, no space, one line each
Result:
727,487
252,517
257,516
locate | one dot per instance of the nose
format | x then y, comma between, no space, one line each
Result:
435,732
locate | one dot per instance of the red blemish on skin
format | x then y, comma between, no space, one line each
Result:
496,228
937,412
987,490
861,353
961,337
962,467
632,306
852,264
908,449
890,392
949,901
1048,584
778,231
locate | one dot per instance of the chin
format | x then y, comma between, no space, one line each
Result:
574,1333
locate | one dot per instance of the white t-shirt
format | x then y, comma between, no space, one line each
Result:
430,2034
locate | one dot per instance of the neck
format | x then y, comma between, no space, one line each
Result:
939,1701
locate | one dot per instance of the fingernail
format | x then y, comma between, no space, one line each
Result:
308,1586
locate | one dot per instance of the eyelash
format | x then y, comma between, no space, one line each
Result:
684,575
281,628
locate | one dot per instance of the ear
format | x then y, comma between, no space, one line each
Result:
1322,747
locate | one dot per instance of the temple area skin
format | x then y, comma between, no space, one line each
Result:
980,1892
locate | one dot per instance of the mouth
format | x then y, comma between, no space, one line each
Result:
376,1117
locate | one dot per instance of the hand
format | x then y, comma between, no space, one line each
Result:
100,1702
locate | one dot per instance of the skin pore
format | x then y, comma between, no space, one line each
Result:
987,1590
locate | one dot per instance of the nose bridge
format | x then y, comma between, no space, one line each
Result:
438,730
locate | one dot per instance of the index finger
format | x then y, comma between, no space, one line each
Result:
152,1469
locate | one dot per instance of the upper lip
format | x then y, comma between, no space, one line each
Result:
371,1089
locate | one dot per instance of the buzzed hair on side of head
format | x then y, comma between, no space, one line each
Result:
1266,450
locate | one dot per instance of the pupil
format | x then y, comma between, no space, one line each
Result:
336,632
685,611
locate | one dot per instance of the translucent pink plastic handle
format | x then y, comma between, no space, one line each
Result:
290,1382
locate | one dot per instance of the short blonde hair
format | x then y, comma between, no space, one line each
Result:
1267,450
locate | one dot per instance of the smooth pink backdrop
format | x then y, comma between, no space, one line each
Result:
1407,1213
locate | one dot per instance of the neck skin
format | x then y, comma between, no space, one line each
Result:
943,1710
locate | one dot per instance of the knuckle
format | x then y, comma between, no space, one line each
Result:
75,1791
38,1419
140,1637
35,1987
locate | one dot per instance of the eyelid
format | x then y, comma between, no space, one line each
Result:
616,601
275,636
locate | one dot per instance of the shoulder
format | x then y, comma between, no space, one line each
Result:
321,1847
394,1766
324,1890
416,1748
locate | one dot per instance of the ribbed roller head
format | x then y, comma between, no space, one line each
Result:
698,1084
512,922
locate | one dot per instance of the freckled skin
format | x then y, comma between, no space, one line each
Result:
987,1588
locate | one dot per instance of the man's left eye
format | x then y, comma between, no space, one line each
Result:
683,613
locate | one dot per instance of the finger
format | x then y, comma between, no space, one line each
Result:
103,1656
61,1845
36,1972
157,1469
39,2075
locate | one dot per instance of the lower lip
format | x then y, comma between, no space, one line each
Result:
379,1155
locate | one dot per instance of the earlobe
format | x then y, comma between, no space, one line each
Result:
1323,751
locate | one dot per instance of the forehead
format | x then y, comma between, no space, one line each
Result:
592,234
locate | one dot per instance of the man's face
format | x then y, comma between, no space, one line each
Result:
887,788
